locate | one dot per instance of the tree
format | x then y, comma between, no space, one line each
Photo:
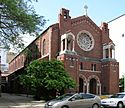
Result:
47,76
18,17
121,83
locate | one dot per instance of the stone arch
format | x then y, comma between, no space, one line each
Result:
67,42
70,41
94,76
94,85
83,77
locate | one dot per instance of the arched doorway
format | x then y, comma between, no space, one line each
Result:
93,86
81,84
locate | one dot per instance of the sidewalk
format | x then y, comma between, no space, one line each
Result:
15,101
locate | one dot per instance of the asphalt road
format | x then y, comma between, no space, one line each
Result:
19,101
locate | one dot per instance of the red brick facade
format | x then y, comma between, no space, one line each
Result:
85,49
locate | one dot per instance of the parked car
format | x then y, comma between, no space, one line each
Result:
75,100
117,100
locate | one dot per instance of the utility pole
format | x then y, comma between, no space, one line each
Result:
123,36
124,82
0,76
0,67
0,83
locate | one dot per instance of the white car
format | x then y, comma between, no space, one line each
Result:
117,100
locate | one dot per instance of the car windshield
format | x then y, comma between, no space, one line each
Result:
117,96
65,96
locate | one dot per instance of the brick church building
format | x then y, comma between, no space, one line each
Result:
85,49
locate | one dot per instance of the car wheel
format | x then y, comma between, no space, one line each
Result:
95,106
120,105
64,107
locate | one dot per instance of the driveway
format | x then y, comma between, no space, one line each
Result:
19,101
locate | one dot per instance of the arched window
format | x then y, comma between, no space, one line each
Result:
109,50
67,43
44,47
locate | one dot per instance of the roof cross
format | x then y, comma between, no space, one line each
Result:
86,8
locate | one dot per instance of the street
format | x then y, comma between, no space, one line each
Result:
19,101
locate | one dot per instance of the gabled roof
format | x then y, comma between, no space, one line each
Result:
31,43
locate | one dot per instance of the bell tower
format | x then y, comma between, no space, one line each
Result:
64,21
110,70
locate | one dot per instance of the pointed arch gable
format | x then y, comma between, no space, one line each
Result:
83,77
95,77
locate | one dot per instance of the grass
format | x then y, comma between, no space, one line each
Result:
104,96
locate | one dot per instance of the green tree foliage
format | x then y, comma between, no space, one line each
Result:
49,75
121,83
18,17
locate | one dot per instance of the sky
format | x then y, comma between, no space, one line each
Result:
98,10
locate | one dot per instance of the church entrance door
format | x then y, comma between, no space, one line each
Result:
81,84
93,86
